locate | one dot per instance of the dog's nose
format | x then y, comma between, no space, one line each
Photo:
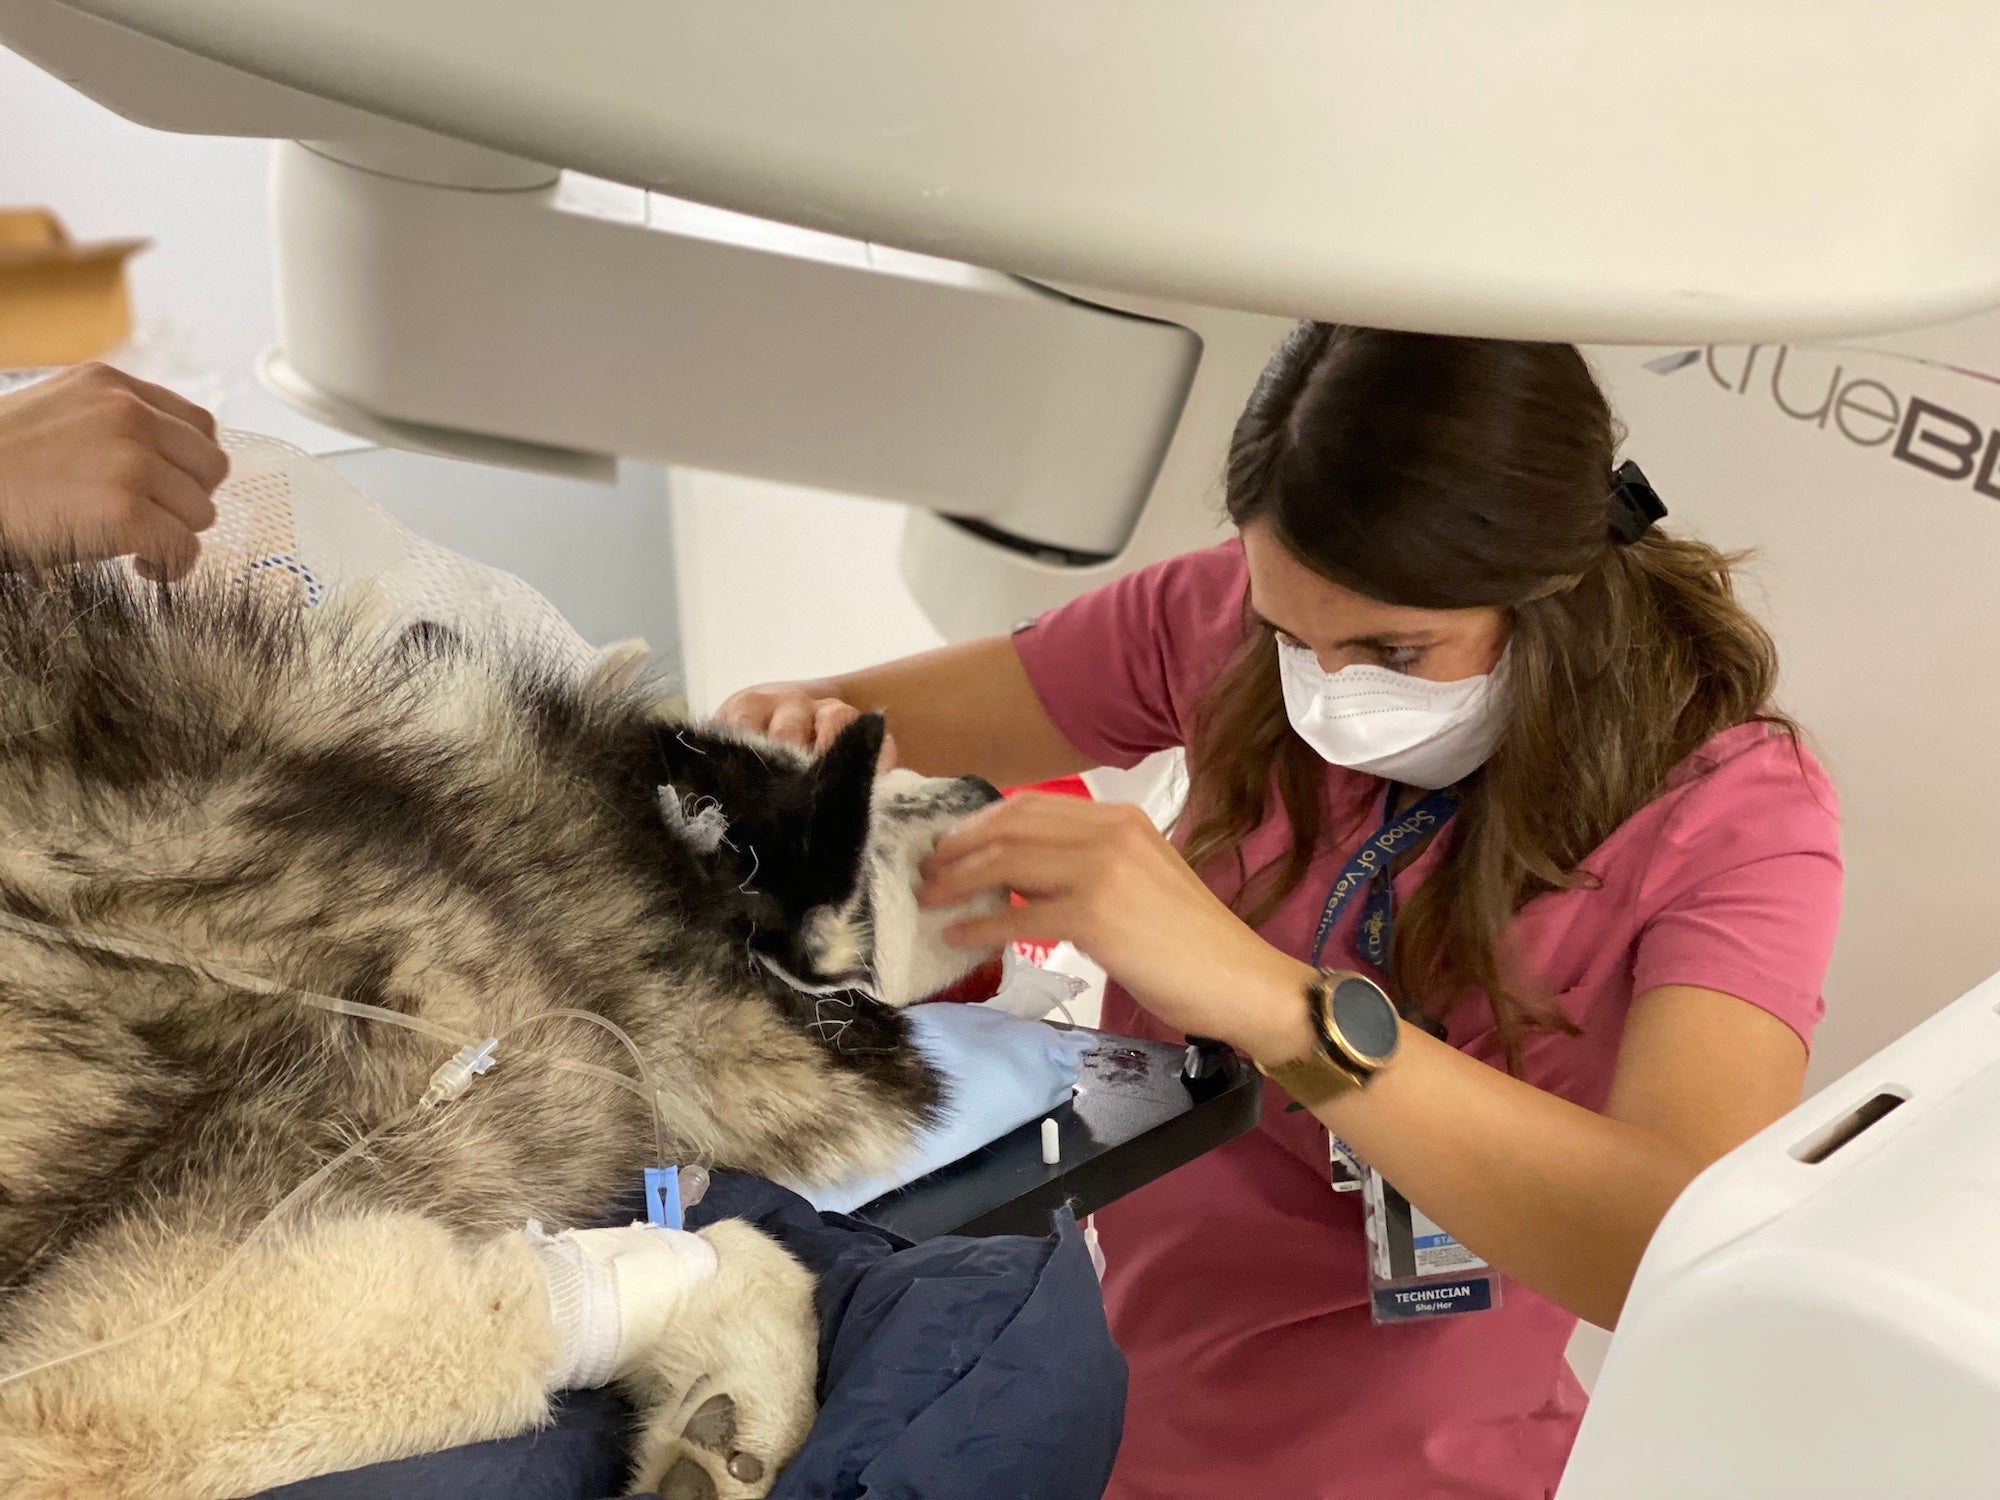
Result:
988,792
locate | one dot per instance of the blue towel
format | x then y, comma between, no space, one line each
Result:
1000,1072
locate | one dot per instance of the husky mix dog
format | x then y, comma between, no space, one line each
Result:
211,803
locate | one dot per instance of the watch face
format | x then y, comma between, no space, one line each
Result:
1365,1017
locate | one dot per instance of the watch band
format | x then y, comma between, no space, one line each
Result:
1335,1066
1314,1079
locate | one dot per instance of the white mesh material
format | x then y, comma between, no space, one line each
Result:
583,1305
288,521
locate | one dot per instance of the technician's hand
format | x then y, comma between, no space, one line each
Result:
95,464
796,714
1102,876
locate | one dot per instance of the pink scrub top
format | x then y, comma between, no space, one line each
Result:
1236,1285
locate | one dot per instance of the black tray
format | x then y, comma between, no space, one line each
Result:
1138,1117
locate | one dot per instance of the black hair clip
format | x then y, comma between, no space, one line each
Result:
1635,504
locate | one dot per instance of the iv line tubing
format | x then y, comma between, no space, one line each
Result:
128,948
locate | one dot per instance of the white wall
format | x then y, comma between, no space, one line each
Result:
777,582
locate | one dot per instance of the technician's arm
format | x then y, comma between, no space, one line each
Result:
957,711
1556,1196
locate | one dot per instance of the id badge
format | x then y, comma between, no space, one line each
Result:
1345,1167
1416,1271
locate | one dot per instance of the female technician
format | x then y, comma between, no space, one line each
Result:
1457,716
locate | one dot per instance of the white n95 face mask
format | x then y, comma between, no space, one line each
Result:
1390,724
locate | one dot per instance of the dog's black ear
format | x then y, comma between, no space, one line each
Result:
801,825
848,763
843,791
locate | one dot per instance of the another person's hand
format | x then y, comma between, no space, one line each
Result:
1103,877
795,714
96,464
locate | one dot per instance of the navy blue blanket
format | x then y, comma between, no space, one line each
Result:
958,1369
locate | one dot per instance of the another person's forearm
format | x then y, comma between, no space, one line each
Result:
95,464
963,710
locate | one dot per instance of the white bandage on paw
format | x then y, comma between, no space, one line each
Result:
612,1292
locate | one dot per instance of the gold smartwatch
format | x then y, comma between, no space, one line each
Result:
1355,1025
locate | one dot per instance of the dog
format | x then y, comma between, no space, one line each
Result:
223,818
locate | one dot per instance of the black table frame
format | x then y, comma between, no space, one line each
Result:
1137,1116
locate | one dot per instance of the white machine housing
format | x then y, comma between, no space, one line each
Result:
1819,1314
1103,215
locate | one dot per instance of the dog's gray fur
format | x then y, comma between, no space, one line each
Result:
447,832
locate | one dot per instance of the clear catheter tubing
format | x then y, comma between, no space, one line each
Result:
468,1046
257,984
284,1205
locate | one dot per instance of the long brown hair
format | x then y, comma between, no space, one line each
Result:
1450,473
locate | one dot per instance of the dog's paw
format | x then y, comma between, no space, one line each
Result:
727,1390
707,1461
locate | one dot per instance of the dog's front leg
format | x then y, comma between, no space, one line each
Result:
714,1337
726,1389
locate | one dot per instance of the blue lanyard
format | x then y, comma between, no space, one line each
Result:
1369,869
